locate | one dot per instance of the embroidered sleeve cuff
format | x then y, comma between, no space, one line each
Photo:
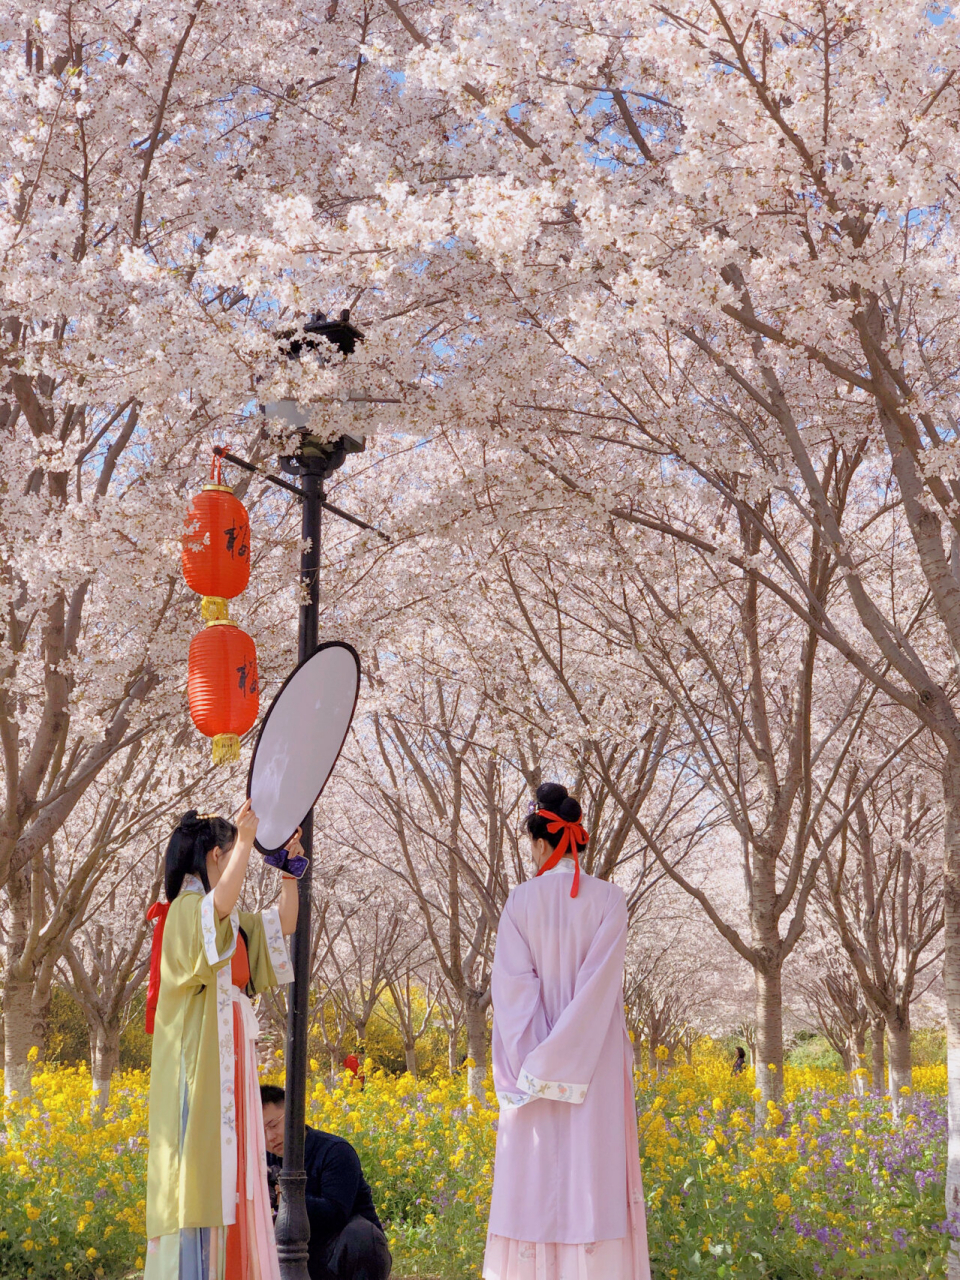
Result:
277,945
554,1090
208,927
510,1101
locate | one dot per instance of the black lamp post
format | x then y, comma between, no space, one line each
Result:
313,461
293,1227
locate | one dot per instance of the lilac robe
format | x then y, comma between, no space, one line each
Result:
567,1163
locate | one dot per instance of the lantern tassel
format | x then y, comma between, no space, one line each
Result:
226,748
214,609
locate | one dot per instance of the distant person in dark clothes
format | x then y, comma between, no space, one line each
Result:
346,1238
739,1064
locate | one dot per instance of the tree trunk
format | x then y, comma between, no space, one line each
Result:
25,1028
900,1062
24,1020
878,1079
750,1039
453,1057
360,1027
688,1052
856,1053
476,1020
410,1057
769,1039
951,982
104,1061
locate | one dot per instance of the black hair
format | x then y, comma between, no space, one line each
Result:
554,798
272,1095
188,847
741,1053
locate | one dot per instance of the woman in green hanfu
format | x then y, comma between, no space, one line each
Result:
208,1207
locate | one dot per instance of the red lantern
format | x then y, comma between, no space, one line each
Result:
216,546
223,687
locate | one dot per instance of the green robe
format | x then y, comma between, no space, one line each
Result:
191,1168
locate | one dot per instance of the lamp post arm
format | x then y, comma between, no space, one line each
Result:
297,492
260,471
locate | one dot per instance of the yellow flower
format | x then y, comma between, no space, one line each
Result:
33,1054
91,1253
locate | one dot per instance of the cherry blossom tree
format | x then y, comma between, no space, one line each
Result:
886,904
726,242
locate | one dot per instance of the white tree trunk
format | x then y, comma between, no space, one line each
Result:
104,1061
857,1056
476,1020
900,1063
769,1040
878,1078
951,982
453,1063
25,1028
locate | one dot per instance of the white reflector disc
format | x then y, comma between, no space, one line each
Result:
300,739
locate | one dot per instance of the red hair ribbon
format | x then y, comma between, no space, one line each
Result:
158,914
573,835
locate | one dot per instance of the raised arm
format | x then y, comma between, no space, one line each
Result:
226,893
289,904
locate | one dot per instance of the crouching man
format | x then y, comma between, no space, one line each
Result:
346,1238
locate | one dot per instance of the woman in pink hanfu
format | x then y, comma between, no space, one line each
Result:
567,1195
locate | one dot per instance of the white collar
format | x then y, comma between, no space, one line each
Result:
565,865
192,884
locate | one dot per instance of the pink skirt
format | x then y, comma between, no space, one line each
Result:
523,1260
624,1259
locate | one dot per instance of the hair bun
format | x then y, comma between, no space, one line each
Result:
190,821
551,795
555,798
570,810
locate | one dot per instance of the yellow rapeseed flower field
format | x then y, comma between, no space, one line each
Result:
830,1185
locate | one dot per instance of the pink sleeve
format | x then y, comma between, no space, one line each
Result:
519,1023
560,1065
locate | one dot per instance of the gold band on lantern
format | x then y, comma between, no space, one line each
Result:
214,609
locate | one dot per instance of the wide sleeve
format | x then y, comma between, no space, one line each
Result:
519,1021
561,1065
195,942
266,949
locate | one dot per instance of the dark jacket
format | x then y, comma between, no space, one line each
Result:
336,1189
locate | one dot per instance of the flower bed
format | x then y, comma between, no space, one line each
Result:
830,1186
